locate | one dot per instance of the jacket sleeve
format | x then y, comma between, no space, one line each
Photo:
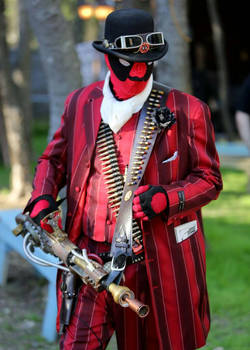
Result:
203,182
50,174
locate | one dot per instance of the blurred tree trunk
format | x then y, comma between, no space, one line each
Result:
174,68
142,4
3,138
218,39
14,121
58,53
18,37
139,4
23,71
78,24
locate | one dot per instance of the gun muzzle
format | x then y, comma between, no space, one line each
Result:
125,297
137,306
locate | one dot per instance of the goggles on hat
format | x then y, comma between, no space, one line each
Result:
127,42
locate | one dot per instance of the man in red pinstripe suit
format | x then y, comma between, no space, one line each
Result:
182,175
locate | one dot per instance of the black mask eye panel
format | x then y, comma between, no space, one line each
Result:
122,71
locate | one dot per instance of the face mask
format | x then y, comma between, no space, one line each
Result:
128,78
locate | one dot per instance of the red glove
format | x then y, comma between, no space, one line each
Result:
149,201
41,207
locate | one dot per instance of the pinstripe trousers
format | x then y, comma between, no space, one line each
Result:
96,316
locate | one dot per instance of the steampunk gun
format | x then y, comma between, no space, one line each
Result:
53,240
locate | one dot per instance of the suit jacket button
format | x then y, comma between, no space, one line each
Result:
109,222
77,189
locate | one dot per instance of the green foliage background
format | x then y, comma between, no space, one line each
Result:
227,227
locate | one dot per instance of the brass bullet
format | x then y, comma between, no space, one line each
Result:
105,150
132,183
112,180
135,179
104,141
110,165
154,100
117,174
112,185
118,194
114,190
109,156
111,170
149,123
104,132
114,205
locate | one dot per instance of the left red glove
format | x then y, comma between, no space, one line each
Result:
149,201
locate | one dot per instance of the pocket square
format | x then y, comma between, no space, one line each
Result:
174,156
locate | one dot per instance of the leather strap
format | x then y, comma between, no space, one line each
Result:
146,134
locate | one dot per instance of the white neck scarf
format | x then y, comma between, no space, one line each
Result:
116,113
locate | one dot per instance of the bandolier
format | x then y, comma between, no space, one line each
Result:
121,187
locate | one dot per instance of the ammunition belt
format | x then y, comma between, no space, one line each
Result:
114,181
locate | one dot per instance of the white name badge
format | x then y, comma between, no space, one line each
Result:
185,231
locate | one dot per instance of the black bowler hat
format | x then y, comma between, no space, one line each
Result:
121,29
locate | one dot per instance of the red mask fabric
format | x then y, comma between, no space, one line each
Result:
127,78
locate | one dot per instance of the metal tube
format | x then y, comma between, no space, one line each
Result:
137,306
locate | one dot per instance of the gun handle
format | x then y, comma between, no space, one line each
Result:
18,230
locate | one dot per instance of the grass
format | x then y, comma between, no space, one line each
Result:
227,223
39,142
39,137
4,179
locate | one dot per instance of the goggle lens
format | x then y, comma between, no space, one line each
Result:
133,41
155,39
118,43
128,42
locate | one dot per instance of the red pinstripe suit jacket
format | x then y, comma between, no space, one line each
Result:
176,272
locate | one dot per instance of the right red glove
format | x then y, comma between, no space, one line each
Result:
41,207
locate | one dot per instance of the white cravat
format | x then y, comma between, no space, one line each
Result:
116,113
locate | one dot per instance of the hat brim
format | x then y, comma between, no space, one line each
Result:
151,55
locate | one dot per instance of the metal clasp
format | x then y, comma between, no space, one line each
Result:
118,268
